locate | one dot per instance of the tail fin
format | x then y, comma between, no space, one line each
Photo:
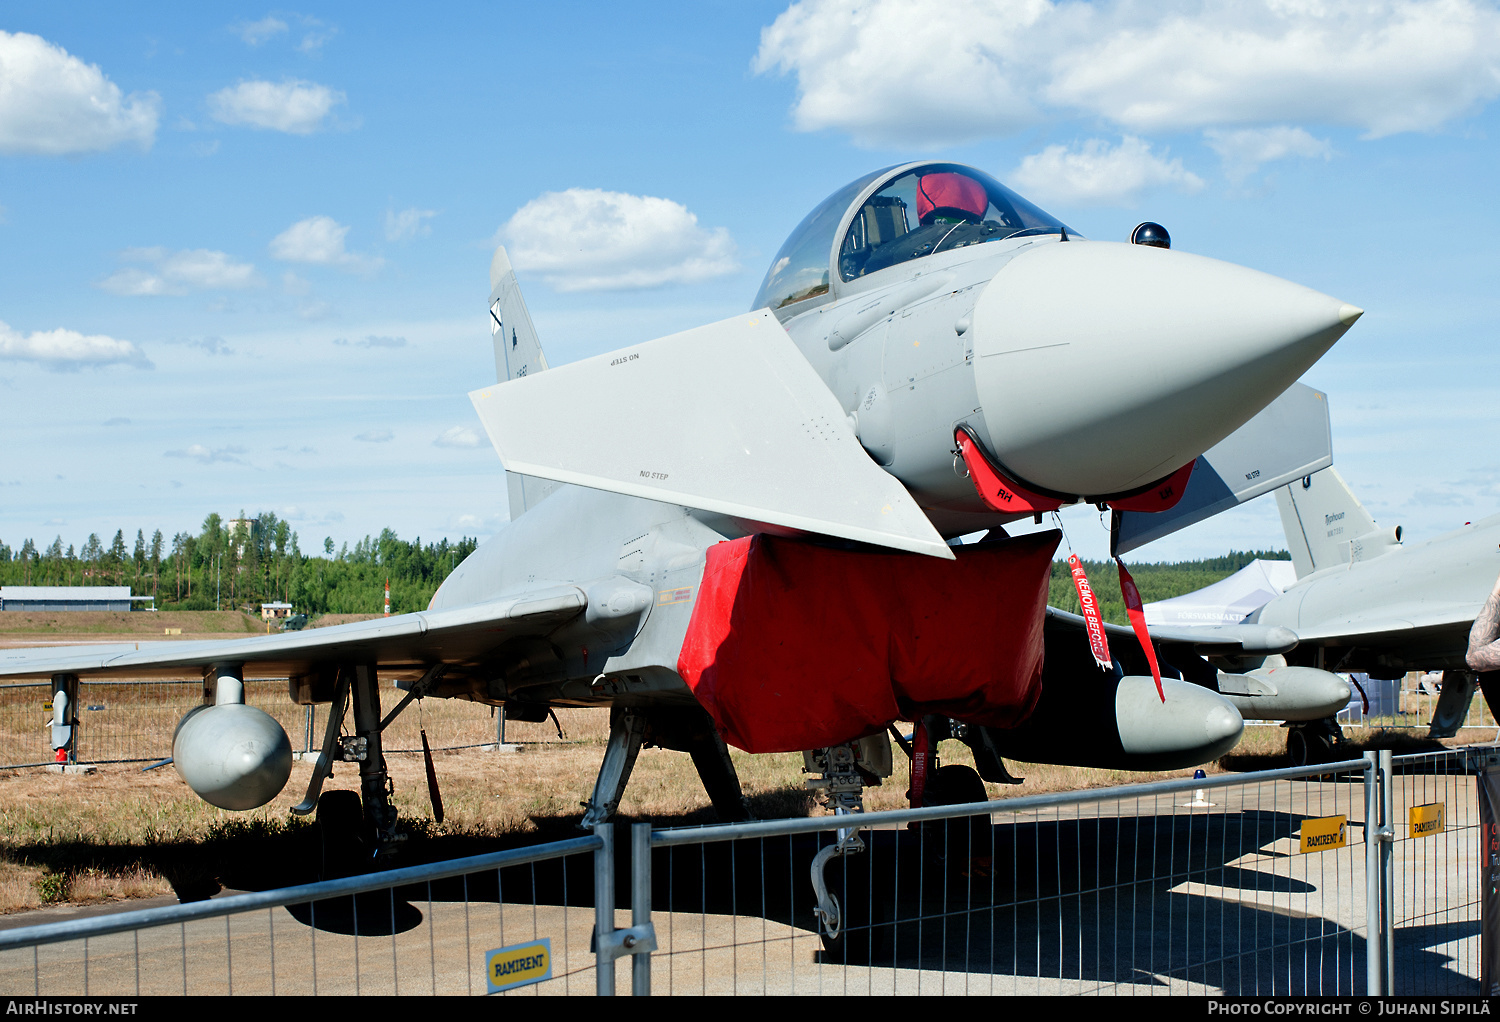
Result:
517,353
1326,525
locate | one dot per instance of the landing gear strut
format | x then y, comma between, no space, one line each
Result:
689,730
358,828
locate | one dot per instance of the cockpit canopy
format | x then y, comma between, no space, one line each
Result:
893,216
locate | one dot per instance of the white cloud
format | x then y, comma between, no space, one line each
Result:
1244,151
295,107
320,240
177,273
52,103
458,436
376,436
900,72
1094,174
407,224
586,239
317,34
205,456
68,349
373,341
256,32
905,73
1384,67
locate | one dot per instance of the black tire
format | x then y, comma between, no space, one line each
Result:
964,845
341,828
1299,751
955,786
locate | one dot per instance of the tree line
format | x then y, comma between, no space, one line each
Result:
241,562
244,561
1158,580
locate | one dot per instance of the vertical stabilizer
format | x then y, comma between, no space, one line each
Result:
1326,525
517,353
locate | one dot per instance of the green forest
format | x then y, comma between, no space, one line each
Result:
243,562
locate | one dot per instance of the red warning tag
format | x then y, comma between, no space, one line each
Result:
1137,612
1098,644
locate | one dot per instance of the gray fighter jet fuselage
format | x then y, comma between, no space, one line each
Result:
931,356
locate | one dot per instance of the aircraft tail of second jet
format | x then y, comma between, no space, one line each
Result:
518,353
1326,525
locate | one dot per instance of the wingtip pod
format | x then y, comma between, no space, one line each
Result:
233,756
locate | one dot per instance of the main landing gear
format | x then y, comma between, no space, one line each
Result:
1313,741
357,829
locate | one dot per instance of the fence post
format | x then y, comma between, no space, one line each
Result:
1387,875
1374,889
604,910
640,904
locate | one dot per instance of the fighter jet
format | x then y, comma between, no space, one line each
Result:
746,533
1365,601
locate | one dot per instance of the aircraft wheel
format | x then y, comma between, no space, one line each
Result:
341,825
965,844
1298,751
955,786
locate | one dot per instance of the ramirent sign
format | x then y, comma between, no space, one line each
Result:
518,965
1324,833
1425,821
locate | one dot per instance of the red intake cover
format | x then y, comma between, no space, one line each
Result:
796,646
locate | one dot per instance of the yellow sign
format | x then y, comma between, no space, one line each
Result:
1327,832
518,965
1425,821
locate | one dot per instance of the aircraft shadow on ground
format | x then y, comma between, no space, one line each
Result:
1093,901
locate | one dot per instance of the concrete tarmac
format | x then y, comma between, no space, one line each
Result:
1143,896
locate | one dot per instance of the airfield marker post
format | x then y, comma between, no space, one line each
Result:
640,904
1373,887
604,909
1387,874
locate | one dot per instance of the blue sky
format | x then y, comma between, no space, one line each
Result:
244,252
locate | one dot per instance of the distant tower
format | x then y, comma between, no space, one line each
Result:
387,597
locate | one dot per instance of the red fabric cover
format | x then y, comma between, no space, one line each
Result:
796,646
950,191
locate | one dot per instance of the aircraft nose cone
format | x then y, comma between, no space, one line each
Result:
1102,367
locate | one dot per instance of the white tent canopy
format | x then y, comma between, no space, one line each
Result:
1228,601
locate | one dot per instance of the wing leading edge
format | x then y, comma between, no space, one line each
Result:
405,642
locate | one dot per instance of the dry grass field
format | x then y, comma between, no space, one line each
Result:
124,832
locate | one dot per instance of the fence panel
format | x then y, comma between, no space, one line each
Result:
422,930
1177,887
1436,867
1217,886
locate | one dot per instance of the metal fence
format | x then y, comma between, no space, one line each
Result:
133,721
1216,886
423,930
1410,701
